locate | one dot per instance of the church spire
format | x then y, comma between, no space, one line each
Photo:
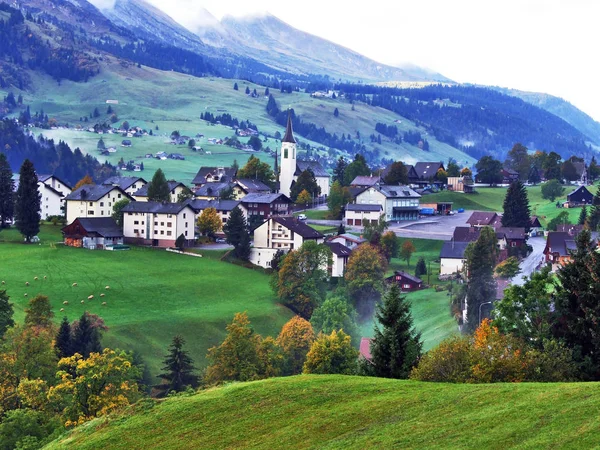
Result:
289,134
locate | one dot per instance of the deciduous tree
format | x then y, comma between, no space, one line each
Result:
209,222
552,189
336,313
508,268
364,277
594,219
254,169
407,250
339,197
28,202
83,182
306,182
117,214
518,159
488,170
295,339
389,245
398,174
330,354
39,312
356,168
303,198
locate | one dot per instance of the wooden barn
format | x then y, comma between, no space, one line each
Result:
405,281
92,233
580,197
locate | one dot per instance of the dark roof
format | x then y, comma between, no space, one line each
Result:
426,170
298,227
354,191
155,207
228,172
143,191
397,191
482,218
501,285
289,133
560,242
219,205
102,226
315,166
122,182
44,178
252,185
350,237
535,222
581,193
453,250
573,230
362,207
338,249
511,233
406,275
466,234
212,189
264,198
93,192
365,181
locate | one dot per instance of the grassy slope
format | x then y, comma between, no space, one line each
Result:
354,412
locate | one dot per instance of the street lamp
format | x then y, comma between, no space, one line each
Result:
484,303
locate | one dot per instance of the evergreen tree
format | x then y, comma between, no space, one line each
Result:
594,216
306,182
235,86
336,112
236,232
356,168
396,347
397,174
158,190
64,340
516,207
100,145
518,159
6,313
338,172
247,90
582,216
178,370
7,204
421,268
27,203
86,338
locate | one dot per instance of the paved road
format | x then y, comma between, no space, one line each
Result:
529,264
438,227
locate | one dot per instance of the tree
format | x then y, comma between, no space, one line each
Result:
28,202
86,337
303,198
489,170
6,313
356,168
234,165
117,214
295,339
441,175
551,166
39,312
397,175
508,268
175,134
583,216
158,189
534,175
340,169
255,143
236,233
83,182
562,219
481,258
372,231
552,189
209,222
180,242
407,250
7,201
594,216
178,370
185,195
336,112
247,90
330,354
396,346
191,143
125,125
339,197
106,382
568,171
516,207
466,172
64,340
336,313
518,159
364,277
235,86
452,168
306,181
100,145
389,245
421,268
109,110
257,170
593,169
301,280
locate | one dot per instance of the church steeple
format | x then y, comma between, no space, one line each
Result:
287,168
289,133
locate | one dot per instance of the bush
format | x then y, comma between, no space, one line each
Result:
449,362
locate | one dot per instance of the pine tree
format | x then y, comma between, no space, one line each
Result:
27,203
594,216
64,340
338,172
100,145
582,216
6,313
421,268
235,86
516,207
396,347
7,205
178,369
158,190
86,338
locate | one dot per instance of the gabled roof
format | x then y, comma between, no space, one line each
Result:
123,182
406,275
264,198
249,185
101,226
535,222
351,238
453,250
365,181
361,207
482,218
228,172
560,242
512,233
51,189
466,234
44,178
219,205
143,191
93,192
354,191
289,133
298,227
397,191
155,207
426,170
581,192
573,230
338,249
212,189
315,166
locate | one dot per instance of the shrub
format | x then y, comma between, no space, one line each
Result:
449,362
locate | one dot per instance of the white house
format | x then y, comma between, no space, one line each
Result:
398,202
53,192
93,201
158,224
129,184
340,254
452,257
348,240
359,214
175,188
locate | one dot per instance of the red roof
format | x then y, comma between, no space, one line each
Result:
365,348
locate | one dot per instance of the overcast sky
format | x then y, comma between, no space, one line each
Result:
535,45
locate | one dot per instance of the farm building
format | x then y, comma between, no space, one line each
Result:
93,233
405,281
357,214
580,197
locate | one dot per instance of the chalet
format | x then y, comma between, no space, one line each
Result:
125,143
129,184
357,214
176,156
559,246
340,255
175,188
213,175
266,205
158,224
213,191
162,156
245,186
283,233
405,281
515,237
365,181
93,233
223,207
348,240
452,257
53,192
579,197
93,200
535,227
466,234
397,202
461,184
483,219
509,175
426,172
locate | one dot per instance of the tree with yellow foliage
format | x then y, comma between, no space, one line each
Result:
304,198
332,353
85,180
295,339
209,222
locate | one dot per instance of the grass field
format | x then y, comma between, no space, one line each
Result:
335,412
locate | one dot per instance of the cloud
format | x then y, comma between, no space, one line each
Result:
103,4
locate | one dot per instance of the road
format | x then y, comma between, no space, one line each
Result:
529,264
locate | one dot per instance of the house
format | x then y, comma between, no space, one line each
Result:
365,181
501,286
93,233
93,200
125,143
129,184
265,205
357,214
515,237
410,170
466,234
158,224
53,192
426,172
283,233
579,197
483,219
535,227
290,168
175,188
214,175
246,186
573,230
452,257
461,184
398,202
509,175
558,247
348,240
223,207
340,254
213,190
405,281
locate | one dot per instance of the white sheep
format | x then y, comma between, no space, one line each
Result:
101,295
3,282
103,303
74,284
35,278
107,288
45,277
27,283
62,309
82,302
91,297
25,294
65,302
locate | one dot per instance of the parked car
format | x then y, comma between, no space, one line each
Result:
301,216
221,241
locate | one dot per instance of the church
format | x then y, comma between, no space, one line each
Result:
291,168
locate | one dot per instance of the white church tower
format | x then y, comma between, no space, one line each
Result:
288,160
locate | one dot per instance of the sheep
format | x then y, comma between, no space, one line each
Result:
91,297
103,303
101,295
25,295
82,302
74,284
65,302
3,282
35,278
107,288
27,283
62,309
45,277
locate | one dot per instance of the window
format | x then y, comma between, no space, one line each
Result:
136,222
186,224
169,224
186,233
135,231
169,216
102,212
90,213
162,231
155,231
169,233
406,286
91,203
162,224
184,215
101,203
285,153
262,213
119,196
155,224
131,214
142,222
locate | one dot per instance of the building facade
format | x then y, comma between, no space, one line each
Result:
93,201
